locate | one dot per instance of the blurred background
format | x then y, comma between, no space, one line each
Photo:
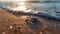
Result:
48,6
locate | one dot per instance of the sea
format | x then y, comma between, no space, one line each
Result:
47,7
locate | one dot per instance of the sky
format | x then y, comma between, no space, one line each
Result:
18,0
29,0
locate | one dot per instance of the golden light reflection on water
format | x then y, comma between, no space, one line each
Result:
22,3
19,6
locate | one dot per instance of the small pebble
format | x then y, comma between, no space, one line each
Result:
10,26
3,32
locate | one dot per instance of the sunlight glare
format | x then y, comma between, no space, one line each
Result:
21,8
